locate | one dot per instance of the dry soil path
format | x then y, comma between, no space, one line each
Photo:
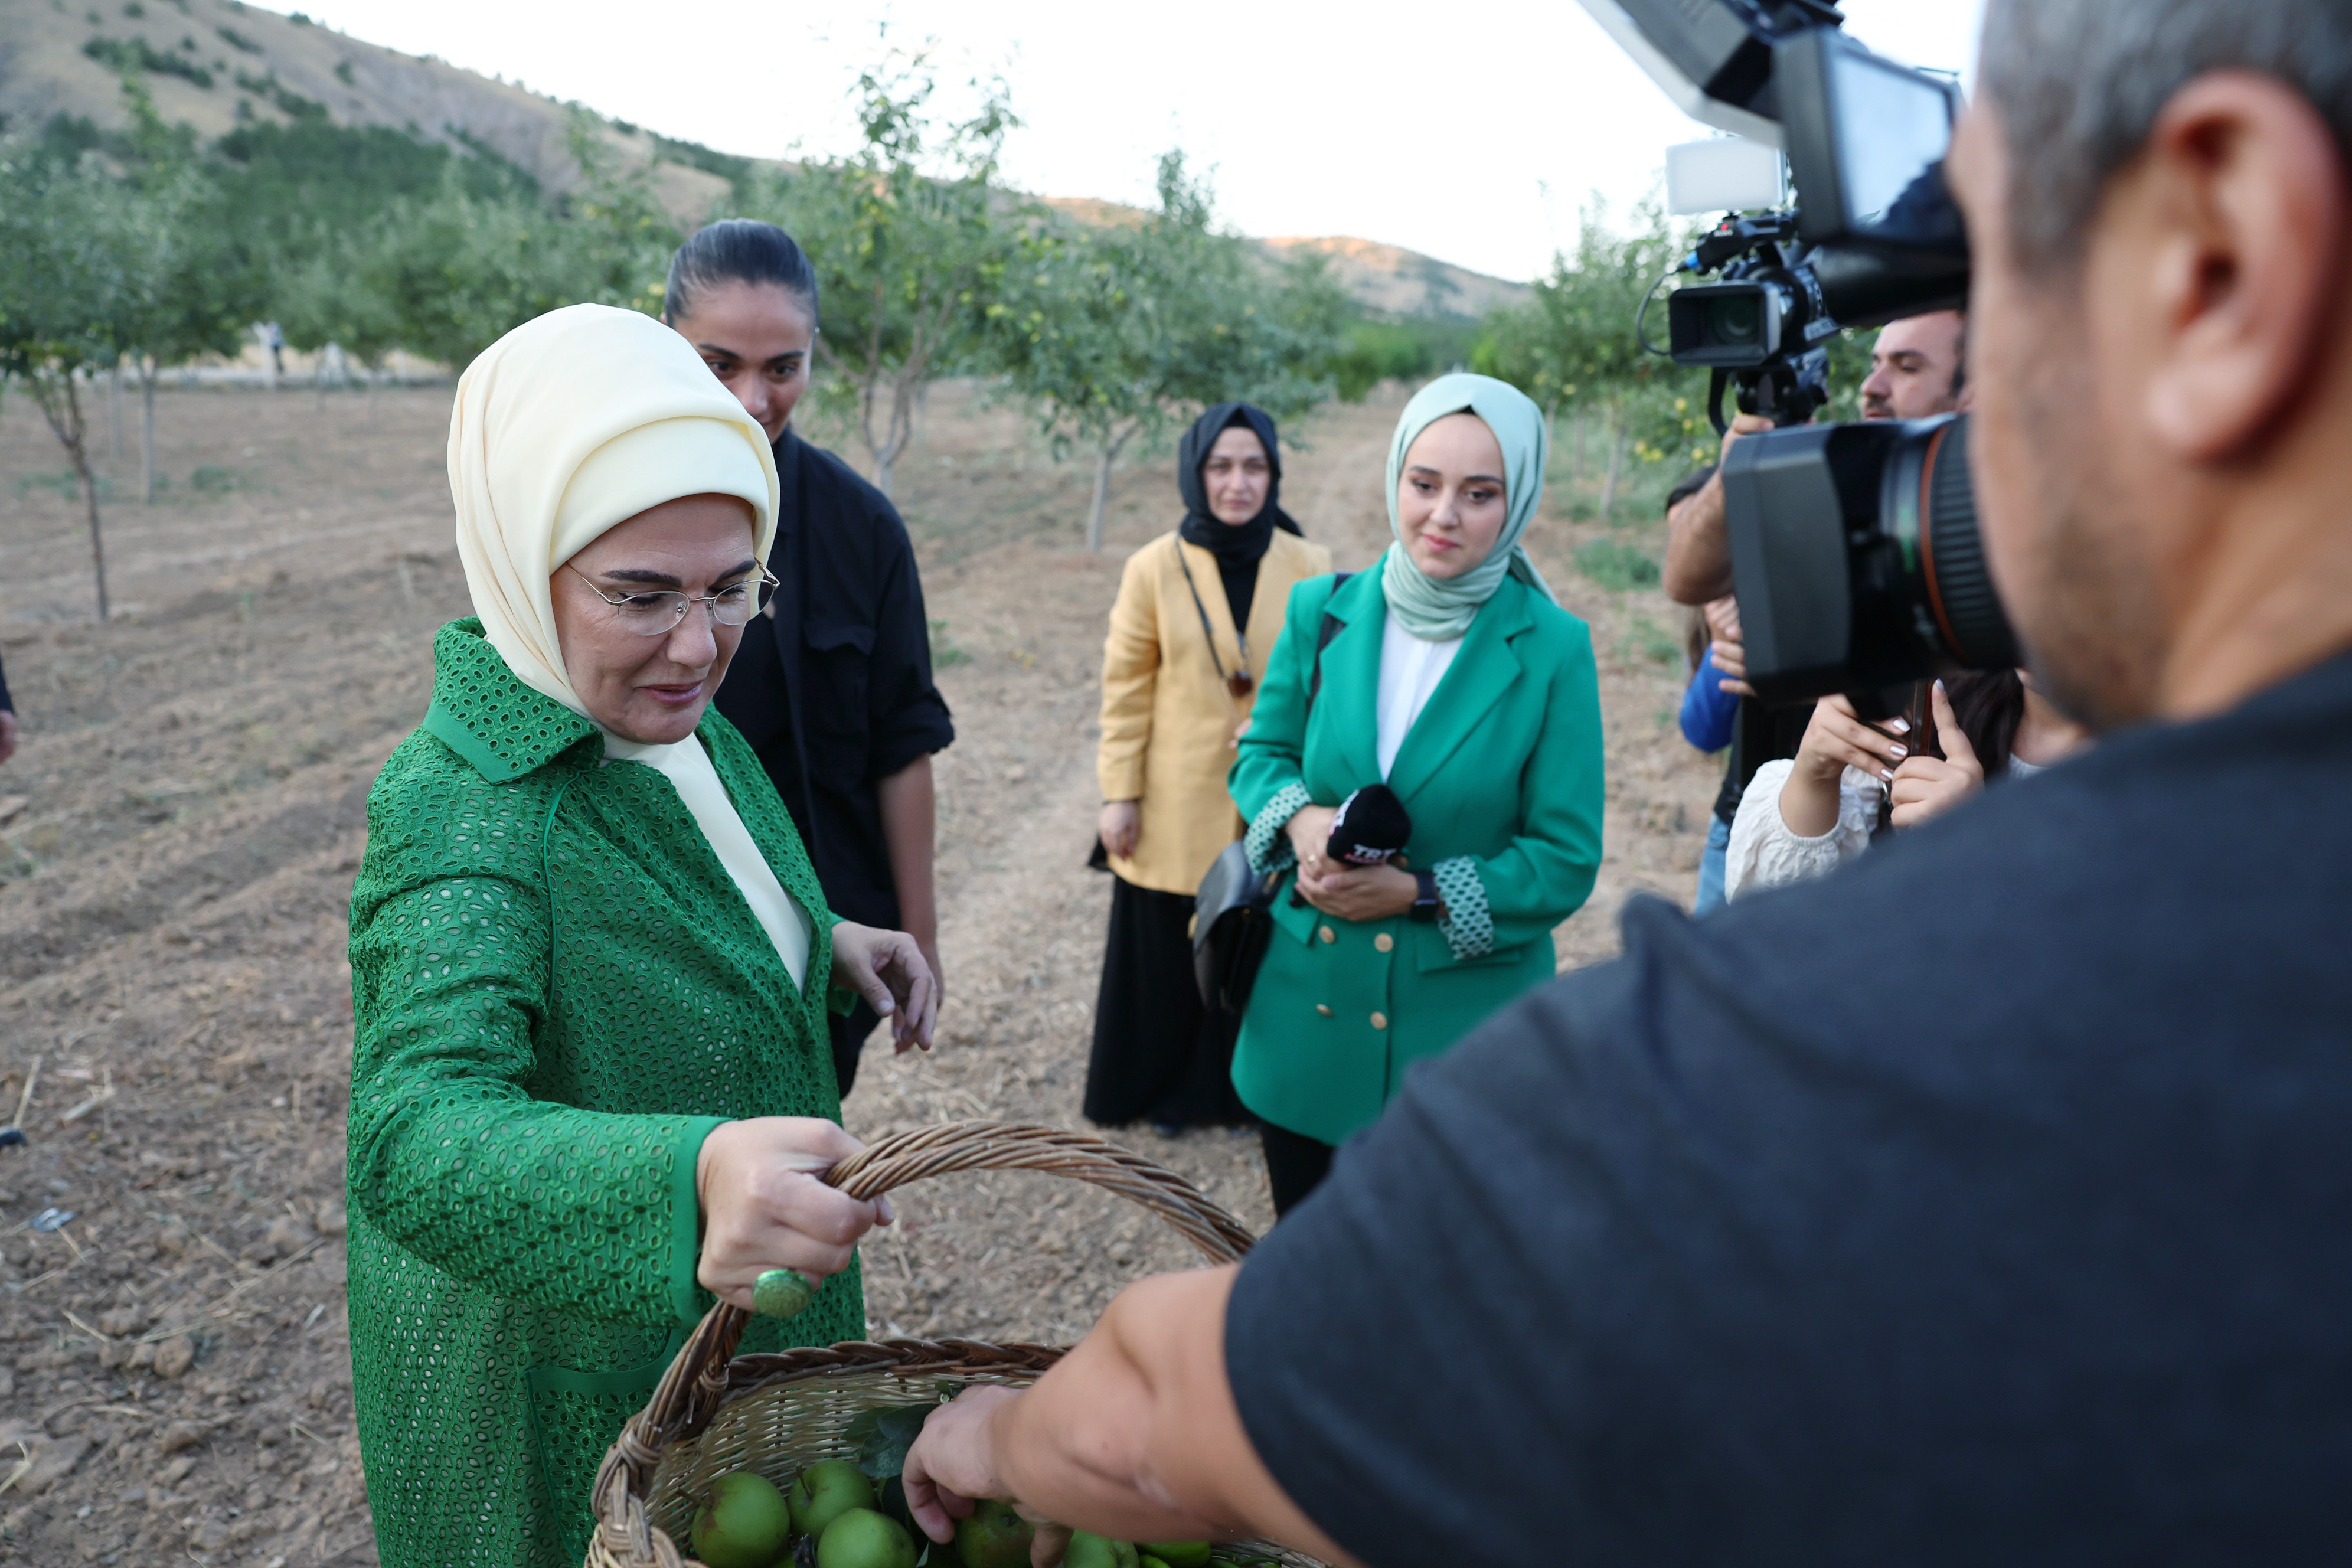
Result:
177,840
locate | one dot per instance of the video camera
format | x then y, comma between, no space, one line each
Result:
1855,547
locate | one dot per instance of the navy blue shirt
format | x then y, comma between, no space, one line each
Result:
832,686
1987,1202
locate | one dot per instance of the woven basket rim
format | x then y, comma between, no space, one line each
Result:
707,1375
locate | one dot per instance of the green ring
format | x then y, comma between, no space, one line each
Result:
782,1293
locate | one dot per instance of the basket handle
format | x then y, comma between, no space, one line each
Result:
924,1151
697,1378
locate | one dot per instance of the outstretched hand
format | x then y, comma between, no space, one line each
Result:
1925,787
887,968
952,1466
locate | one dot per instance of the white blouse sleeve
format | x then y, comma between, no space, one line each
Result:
1765,854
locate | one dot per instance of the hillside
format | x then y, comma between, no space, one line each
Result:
217,64
1400,283
1386,278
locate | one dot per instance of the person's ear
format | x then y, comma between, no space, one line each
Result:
2240,192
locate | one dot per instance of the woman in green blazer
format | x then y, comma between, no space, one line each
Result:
591,1085
1448,673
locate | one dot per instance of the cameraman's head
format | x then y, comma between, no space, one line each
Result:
1918,367
2161,338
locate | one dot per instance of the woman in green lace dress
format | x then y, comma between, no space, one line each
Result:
589,962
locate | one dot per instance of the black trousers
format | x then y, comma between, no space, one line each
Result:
1158,1052
849,1032
1296,1165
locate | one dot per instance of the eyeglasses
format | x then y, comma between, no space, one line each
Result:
657,612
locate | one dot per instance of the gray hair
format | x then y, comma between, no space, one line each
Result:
2080,84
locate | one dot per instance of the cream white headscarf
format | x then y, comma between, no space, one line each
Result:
562,429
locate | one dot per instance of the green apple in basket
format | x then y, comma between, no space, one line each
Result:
826,1490
860,1538
1097,1551
1176,1553
743,1523
994,1535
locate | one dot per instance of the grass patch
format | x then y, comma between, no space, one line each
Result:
211,479
62,484
945,655
1616,565
1648,641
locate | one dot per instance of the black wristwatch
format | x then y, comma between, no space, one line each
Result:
1426,906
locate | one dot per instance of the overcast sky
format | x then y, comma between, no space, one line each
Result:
1471,131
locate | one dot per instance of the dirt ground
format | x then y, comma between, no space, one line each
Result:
177,838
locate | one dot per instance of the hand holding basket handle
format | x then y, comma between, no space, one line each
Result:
768,1207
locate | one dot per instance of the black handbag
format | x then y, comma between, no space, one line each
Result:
1231,924
1232,914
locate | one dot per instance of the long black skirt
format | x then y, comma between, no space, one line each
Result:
1159,1054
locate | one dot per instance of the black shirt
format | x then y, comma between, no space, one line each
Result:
5,704
1763,730
832,687
1987,1202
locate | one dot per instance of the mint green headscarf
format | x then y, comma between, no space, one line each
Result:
1436,610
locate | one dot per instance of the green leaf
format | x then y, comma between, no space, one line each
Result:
885,1435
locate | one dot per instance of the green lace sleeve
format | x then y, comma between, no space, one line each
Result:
451,1157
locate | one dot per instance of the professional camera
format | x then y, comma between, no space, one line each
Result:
1855,548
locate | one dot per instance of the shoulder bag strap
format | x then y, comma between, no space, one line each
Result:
1329,629
1202,610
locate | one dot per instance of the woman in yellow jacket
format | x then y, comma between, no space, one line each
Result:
1198,613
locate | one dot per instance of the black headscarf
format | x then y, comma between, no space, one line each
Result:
1237,547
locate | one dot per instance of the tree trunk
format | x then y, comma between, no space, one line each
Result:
1102,486
147,446
375,380
61,407
96,540
114,402
1102,494
906,389
1624,435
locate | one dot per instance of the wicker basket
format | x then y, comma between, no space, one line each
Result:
714,1412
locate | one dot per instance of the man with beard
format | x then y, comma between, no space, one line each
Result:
1988,1201
1918,368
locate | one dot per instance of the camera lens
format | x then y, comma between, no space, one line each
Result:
1955,581
1858,558
1734,318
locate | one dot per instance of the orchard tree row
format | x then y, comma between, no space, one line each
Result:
124,254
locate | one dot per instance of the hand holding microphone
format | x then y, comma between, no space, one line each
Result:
1352,878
